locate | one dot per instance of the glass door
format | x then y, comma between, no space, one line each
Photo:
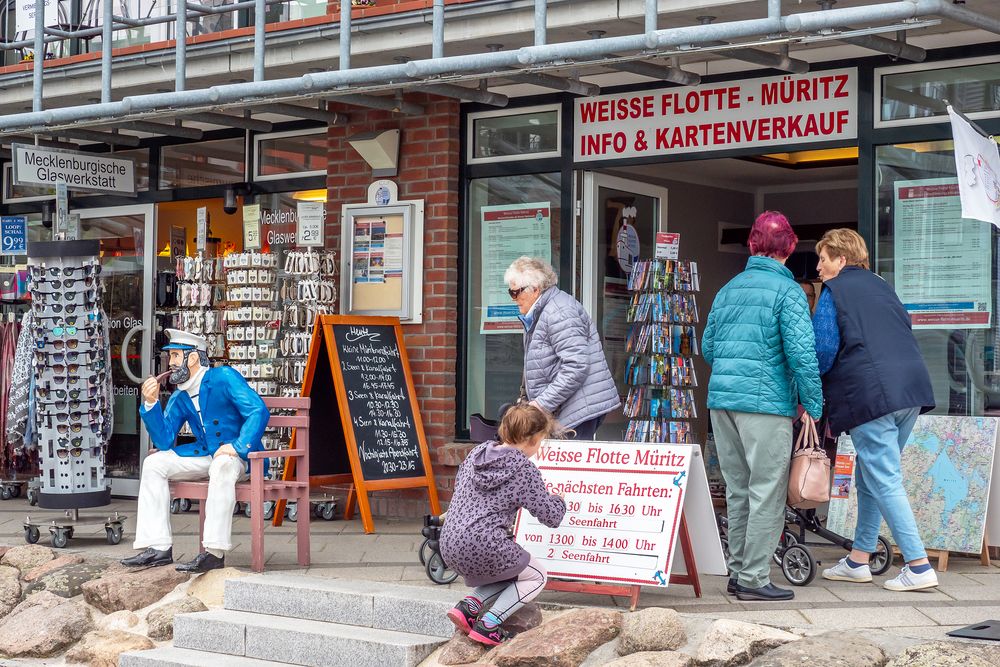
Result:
127,254
620,221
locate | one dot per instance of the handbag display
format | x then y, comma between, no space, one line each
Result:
808,475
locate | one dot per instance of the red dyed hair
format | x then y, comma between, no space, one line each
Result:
772,236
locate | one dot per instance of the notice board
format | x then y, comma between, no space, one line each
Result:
364,410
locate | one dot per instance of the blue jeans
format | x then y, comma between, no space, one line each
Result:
879,444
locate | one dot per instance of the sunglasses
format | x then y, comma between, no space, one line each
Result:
69,307
58,344
89,269
514,293
59,357
76,379
78,452
67,443
62,394
69,283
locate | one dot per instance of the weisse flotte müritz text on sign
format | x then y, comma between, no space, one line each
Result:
780,110
623,507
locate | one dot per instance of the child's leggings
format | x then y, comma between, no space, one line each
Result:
513,594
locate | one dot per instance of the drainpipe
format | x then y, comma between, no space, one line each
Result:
259,20
180,35
437,42
36,96
107,37
541,22
651,15
345,35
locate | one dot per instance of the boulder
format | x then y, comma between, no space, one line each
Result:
26,557
729,643
40,571
10,594
830,649
209,587
120,620
653,659
653,629
9,572
460,650
161,619
68,581
527,617
131,589
102,647
946,654
43,625
565,641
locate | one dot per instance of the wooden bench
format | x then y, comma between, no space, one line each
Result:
258,490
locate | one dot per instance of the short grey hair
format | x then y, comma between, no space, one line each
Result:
531,272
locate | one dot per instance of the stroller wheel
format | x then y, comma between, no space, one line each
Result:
881,560
437,570
798,565
425,551
787,539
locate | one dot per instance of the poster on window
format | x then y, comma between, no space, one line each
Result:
942,260
509,231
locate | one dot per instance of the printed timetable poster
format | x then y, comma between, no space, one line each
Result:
623,510
509,231
942,260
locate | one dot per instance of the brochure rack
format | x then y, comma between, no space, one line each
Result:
661,342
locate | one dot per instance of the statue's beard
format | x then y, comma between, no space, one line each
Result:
180,375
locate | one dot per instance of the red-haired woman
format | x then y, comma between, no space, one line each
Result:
759,342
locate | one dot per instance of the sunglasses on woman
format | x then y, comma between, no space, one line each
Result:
514,293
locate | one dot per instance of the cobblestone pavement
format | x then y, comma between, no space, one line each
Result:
969,592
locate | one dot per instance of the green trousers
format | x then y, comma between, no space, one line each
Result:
754,451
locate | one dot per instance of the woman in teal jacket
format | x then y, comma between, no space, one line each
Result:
759,342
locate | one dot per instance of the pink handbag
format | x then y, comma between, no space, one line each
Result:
808,475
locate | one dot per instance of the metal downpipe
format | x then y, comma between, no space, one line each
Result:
345,35
180,35
39,63
107,38
259,21
437,29
542,22
652,10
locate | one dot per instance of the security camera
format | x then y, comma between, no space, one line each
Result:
229,201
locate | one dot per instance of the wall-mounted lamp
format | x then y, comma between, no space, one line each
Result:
380,150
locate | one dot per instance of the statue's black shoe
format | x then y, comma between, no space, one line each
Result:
150,558
203,562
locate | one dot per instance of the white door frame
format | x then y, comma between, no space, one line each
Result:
121,486
590,290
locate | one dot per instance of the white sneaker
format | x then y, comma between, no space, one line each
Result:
908,580
844,572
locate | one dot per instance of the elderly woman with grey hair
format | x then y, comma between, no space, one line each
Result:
565,371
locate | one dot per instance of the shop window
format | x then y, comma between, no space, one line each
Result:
917,91
206,163
944,269
509,216
290,154
495,136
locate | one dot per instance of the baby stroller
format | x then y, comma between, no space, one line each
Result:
430,551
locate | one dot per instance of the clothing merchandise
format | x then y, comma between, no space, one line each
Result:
908,580
152,522
879,478
231,413
754,452
878,367
759,343
492,484
844,571
565,370
15,367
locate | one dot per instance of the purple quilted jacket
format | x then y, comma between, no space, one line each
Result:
493,483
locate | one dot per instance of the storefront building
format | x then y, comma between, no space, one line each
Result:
586,180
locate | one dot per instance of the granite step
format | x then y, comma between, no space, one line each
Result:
171,656
370,604
297,641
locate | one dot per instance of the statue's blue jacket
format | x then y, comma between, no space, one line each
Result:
231,413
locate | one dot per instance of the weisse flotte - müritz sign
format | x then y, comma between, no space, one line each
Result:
772,111
623,508
93,172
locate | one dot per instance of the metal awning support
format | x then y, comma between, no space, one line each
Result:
757,56
225,120
180,37
437,30
259,18
393,104
574,86
673,73
110,138
425,74
328,117
151,127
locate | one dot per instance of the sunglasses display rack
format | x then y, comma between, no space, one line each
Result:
660,345
73,403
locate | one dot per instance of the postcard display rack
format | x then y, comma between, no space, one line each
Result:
71,361
661,345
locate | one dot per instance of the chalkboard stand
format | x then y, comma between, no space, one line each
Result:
338,436
689,578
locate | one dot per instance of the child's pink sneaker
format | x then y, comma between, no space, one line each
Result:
489,636
462,617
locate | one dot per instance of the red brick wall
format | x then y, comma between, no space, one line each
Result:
428,170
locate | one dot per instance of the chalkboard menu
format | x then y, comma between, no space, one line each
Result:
378,401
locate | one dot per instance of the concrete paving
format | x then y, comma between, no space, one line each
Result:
969,591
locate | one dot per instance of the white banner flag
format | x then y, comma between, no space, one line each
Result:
977,161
